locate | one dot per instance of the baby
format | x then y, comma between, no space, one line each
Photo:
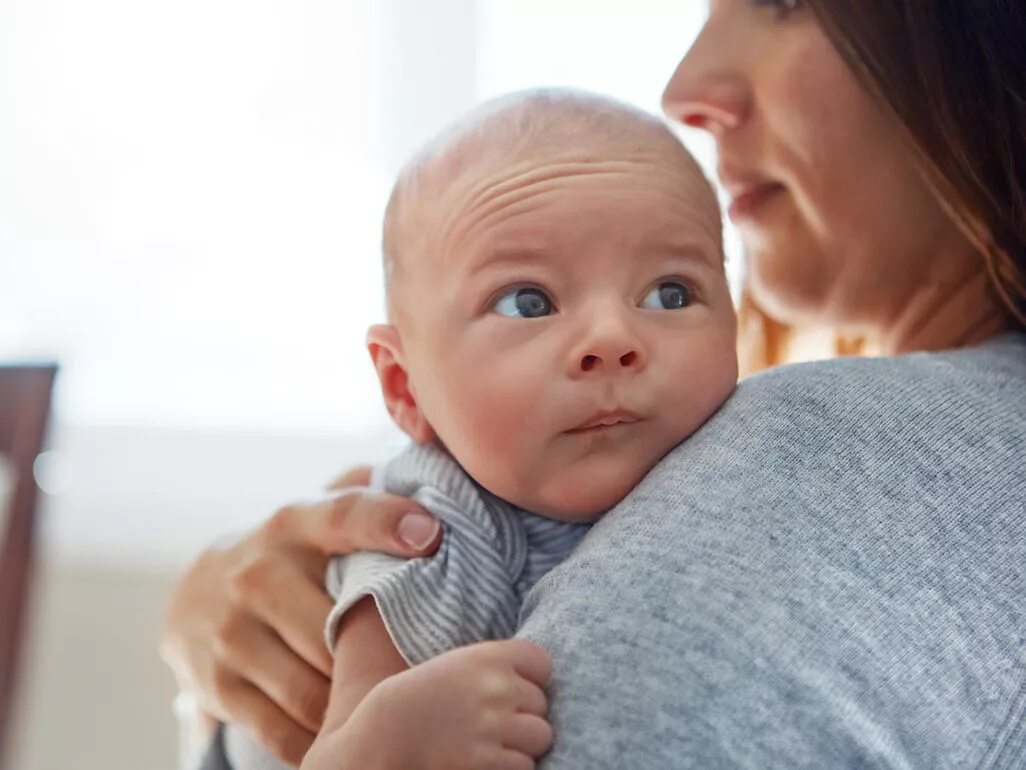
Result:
559,319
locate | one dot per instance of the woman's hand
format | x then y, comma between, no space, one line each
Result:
480,707
245,628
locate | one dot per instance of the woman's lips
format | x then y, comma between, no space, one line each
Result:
749,200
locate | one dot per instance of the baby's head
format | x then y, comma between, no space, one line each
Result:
559,316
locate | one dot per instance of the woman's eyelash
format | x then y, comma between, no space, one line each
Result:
784,7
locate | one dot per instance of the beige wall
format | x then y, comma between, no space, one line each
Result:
94,693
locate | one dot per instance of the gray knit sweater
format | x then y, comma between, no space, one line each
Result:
830,573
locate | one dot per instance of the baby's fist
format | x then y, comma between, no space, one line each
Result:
480,707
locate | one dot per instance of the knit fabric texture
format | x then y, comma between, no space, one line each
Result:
830,573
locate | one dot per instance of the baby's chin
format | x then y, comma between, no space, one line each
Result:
581,501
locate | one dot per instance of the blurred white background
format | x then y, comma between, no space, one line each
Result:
190,203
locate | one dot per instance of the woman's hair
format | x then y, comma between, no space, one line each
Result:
952,74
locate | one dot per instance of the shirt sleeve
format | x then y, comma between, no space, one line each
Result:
463,593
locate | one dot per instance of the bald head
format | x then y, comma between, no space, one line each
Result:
538,125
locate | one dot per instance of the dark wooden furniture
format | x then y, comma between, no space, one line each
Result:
25,393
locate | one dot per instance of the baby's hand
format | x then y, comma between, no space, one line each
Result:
479,707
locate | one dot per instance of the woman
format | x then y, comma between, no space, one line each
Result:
830,571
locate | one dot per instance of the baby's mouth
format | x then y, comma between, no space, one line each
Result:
606,419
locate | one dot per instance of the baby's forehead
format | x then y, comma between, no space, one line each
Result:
543,127
494,151
634,147
542,198
490,163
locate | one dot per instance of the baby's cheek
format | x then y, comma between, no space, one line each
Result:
495,437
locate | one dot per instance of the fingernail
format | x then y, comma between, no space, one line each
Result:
417,530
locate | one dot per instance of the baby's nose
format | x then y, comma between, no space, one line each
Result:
626,360
608,341
612,349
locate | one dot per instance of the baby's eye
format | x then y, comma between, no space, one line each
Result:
524,303
669,295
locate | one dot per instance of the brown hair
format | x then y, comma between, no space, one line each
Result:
952,73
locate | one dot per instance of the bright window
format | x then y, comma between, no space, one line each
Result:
190,204
192,193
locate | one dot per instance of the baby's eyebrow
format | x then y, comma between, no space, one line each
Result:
656,250
509,256
662,249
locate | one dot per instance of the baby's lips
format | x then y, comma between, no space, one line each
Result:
607,418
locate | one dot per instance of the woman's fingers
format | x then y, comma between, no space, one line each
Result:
354,477
357,519
282,595
244,628
299,691
269,725
527,733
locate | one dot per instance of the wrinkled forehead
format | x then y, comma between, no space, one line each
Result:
662,186
481,191
485,198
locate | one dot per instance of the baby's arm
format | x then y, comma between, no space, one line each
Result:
364,656
480,706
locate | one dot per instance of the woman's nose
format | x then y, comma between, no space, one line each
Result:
706,90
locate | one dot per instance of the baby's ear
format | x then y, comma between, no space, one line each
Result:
386,351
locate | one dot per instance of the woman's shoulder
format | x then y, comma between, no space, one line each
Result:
916,416
998,363
841,538
985,382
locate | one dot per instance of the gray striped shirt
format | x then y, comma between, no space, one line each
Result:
471,589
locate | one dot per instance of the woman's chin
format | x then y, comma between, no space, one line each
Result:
787,291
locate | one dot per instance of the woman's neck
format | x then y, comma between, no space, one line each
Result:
960,311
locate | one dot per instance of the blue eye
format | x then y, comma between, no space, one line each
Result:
669,295
524,303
